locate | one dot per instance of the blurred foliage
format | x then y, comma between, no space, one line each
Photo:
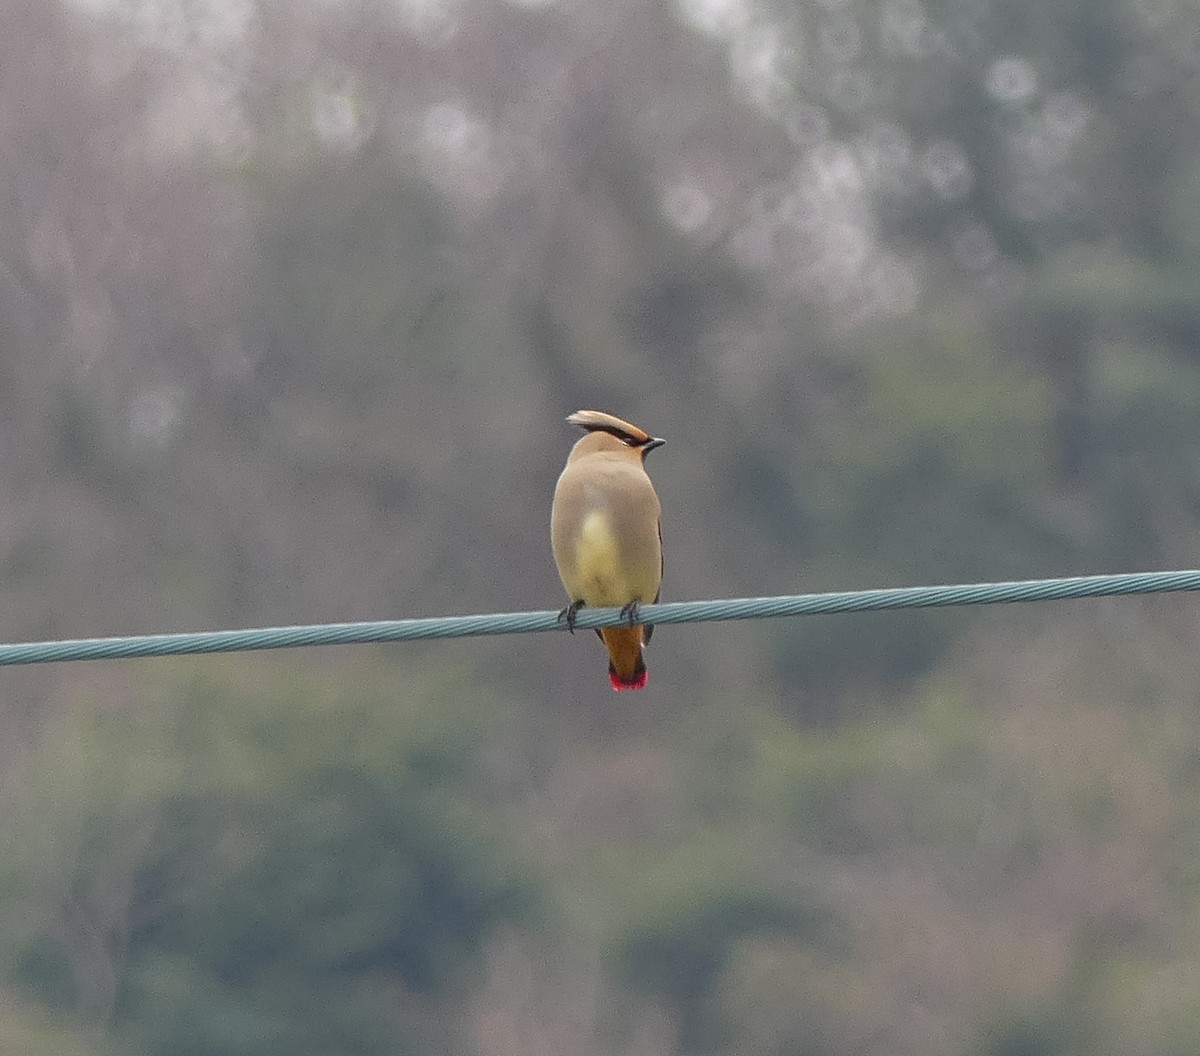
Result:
686,911
293,299
33,1033
189,835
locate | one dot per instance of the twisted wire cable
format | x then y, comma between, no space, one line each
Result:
671,612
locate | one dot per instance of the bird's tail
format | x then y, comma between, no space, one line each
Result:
626,668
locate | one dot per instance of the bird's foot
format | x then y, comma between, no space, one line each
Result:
630,612
569,614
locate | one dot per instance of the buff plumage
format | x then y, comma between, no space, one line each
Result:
605,528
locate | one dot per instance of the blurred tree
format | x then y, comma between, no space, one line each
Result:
687,912
292,298
248,869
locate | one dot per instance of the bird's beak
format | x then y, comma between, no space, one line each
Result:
651,444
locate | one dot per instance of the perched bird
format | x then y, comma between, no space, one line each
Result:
606,533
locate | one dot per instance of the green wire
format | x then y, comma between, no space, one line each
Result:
523,622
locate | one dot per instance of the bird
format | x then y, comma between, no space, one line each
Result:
606,534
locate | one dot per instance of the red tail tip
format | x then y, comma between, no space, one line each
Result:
638,681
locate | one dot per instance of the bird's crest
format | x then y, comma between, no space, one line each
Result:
599,422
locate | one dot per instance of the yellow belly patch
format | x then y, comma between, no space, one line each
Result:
600,568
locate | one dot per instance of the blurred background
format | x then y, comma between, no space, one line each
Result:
294,298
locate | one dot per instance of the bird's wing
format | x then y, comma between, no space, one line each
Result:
662,564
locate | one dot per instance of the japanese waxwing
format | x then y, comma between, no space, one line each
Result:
606,533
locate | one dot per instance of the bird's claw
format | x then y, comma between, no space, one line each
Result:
569,614
630,612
